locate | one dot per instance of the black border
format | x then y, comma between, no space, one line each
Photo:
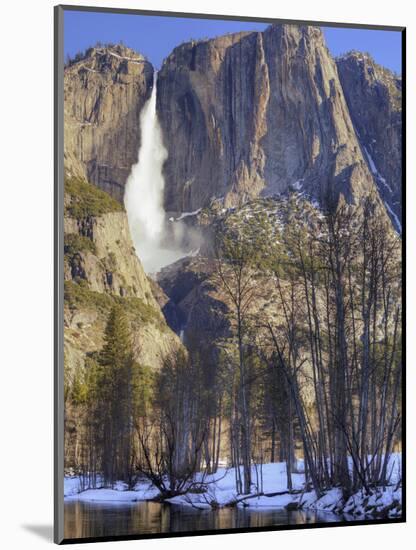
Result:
58,274
58,412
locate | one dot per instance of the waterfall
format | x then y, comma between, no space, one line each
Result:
144,194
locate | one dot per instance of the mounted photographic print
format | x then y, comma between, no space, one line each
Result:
229,211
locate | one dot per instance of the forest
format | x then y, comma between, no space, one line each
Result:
309,371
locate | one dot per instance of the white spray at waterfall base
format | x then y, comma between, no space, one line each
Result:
144,195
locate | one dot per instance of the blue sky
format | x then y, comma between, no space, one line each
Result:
156,36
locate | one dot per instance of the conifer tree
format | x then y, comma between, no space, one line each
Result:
116,390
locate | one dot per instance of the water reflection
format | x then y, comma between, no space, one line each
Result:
92,519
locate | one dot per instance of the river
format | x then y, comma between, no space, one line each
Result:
98,519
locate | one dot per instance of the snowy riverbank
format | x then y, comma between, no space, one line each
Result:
271,493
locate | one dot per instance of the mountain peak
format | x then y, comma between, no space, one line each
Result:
107,54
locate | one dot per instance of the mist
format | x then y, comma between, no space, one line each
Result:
143,197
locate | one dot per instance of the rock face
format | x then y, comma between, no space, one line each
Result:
374,98
243,115
111,265
253,114
104,92
194,305
101,268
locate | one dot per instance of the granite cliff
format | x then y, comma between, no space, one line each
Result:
242,115
104,92
253,114
374,98
101,268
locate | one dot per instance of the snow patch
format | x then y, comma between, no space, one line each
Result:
187,214
396,219
380,502
131,59
298,185
269,490
118,493
88,68
375,172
